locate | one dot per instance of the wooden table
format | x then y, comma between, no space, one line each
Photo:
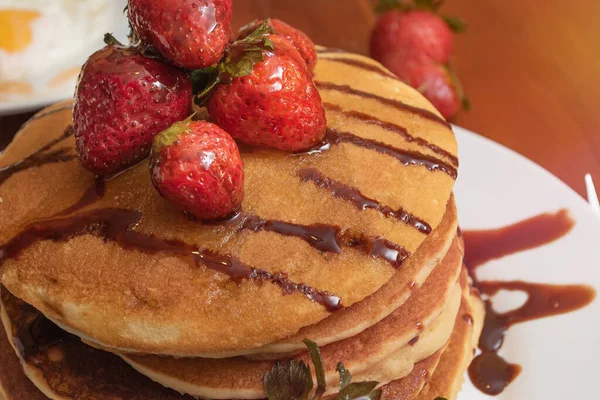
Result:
532,70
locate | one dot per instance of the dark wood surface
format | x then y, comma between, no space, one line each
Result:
532,70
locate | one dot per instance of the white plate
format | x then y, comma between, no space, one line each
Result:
44,96
559,355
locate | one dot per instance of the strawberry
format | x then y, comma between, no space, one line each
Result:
435,81
263,94
122,101
415,42
191,34
197,167
419,31
299,39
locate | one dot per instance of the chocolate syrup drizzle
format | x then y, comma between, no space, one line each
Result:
362,65
384,100
117,225
320,236
489,372
404,156
43,114
361,201
402,131
40,157
93,193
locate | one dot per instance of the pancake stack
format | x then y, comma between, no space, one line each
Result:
110,293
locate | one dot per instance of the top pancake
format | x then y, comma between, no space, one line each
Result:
126,287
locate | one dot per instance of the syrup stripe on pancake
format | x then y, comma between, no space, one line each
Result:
406,157
402,131
329,86
354,62
38,158
43,114
361,201
117,226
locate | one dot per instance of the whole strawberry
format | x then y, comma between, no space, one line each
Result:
299,39
417,31
264,95
122,101
415,42
191,34
197,167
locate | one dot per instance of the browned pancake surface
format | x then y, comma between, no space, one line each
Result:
168,304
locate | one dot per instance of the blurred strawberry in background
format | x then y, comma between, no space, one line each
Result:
415,42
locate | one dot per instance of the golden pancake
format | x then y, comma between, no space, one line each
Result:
430,312
442,376
60,365
447,379
102,370
317,232
353,320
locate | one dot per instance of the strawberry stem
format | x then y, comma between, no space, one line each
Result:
110,39
239,60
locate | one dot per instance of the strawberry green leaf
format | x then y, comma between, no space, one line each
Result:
110,39
387,5
288,381
345,376
359,390
240,59
204,80
317,360
429,5
465,102
455,24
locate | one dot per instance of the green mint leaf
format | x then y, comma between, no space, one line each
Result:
317,360
288,381
359,390
345,376
455,24
440,398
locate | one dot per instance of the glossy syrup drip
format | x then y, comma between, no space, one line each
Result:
404,156
117,225
362,65
329,238
489,372
384,100
413,341
361,201
320,236
402,131
40,157
487,245
93,193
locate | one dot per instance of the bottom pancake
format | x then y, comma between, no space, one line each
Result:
447,379
65,368
60,365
